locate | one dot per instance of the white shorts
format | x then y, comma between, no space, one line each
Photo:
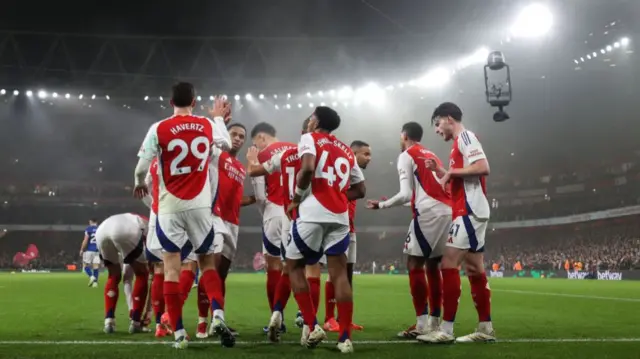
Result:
120,237
351,252
272,236
311,240
89,257
153,251
427,236
225,240
467,232
186,231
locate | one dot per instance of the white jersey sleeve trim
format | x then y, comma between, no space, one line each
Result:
273,164
470,147
306,145
149,148
405,174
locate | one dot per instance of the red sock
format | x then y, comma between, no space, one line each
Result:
203,301
418,285
187,278
111,293
282,293
273,277
329,301
450,293
157,296
173,301
314,289
481,295
345,319
434,278
306,307
213,286
139,296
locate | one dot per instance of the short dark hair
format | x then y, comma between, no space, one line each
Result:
263,127
183,94
328,118
413,131
447,109
236,125
358,144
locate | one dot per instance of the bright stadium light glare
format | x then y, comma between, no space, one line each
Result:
3,92
29,93
320,93
261,96
588,57
277,107
478,57
582,59
371,93
576,61
603,51
80,97
248,97
334,104
275,96
67,96
42,94
199,98
624,41
311,104
616,44
332,93
534,20
609,48
594,54
54,95
322,104
161,98
146,98
288,107
435,78
390,88
16,92
299,105
211,98
237,97
93,97
345,93
288,96
107,97
309,94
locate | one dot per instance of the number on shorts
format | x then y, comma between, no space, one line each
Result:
453,232
340,167
184,151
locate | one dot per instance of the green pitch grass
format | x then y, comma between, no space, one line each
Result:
58,316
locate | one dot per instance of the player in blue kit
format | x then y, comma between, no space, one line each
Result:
89,253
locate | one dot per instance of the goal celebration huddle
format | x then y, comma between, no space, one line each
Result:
189,175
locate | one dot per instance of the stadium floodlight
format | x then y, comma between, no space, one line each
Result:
609,48
146,98
248,97
261,96
311,104
199,98
603,51
237,97
595,54
576,61
93,97
371,93
299,105
334,104
588,57
309,94
624,41
478,57
161,98
582,59
80,97
435,78
54,95
320,93
345,93
211,98
534,20
288,95
3,92
322,104
616,44
42,94
107,97
67,96
16,92
29,93
332,93
288,107
275,96
277,107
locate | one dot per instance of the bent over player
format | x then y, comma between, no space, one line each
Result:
183,144
468,167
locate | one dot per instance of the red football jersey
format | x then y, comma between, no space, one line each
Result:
228,197
427,189
155,185
289,167
335,171
469,194
272,181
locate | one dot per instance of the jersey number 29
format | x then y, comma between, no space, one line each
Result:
185,148
340,168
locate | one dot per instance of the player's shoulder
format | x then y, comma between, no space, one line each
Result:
467,138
